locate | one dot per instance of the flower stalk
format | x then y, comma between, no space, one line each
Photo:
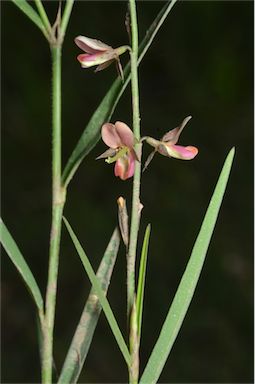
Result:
136,205
135,216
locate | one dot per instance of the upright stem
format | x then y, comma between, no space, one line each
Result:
136,206
58,201
135,216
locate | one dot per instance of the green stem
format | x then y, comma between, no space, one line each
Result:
135,217
136,206
58,201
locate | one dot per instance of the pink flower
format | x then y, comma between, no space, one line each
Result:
98,53
167,145
120,140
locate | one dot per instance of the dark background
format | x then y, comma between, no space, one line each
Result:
201,63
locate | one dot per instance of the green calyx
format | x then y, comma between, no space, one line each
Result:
122,152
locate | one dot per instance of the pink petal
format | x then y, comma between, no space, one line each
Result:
180,152
125,166
125,134
89,60
110,136
90,45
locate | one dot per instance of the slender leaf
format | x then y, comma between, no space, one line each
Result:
43,15
100,293
103,113
188,282
85,330
141,279
66,16
29,11
18,260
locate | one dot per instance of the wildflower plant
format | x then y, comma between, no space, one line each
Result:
125,151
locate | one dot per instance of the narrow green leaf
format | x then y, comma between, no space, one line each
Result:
43,15
66,16
18,260
188,282
100,293
29,11
85,330
141,279
103,113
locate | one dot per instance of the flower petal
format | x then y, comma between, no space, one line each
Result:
125,166
91,45
89,60
178,151
110,136
125,134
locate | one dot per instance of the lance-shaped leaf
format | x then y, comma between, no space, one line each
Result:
188,282
82,338
18,260
103,113
100,294
29,11
141,279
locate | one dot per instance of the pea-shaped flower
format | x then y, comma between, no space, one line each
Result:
98,53
120,140
167,145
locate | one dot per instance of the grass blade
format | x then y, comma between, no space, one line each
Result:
141,279
100,293
188,282
29,11
18,260
103,113
85,330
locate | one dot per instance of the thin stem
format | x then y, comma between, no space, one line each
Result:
58,201
135,217
43,15
136,206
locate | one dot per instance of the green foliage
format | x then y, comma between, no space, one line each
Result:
82,338
100,293
141,279
18,260
188,282
25,7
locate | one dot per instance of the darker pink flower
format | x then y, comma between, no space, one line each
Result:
98,53
120,140
167,145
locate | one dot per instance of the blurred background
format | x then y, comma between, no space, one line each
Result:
200,64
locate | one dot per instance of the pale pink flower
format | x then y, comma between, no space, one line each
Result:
98,53
120,140
167,145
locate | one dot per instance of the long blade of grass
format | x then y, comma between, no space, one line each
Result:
85,330
43,15
103,113
100,293
18,260
66,16
188,282
29,11
141,279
